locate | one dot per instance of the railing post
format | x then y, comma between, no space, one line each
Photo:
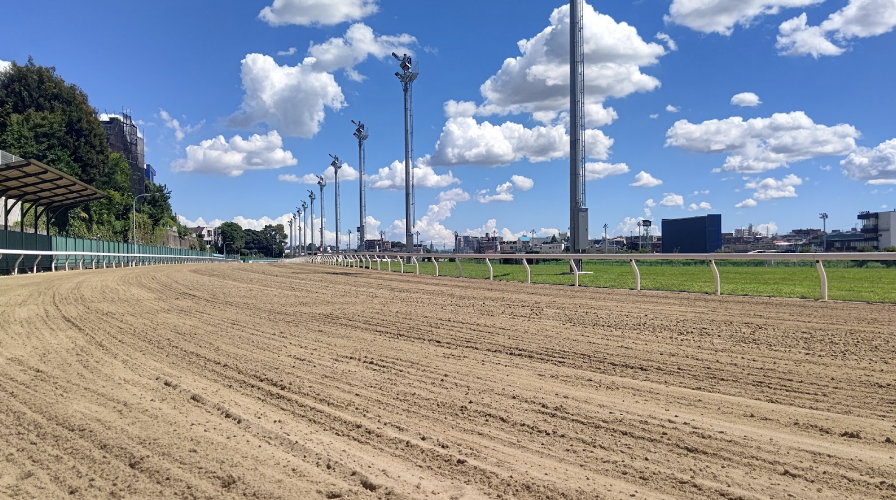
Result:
490,272
637,274
528,273
715,274
575,270
67,256
377,257
81,263
824,279
35,263
460,267
416,264
401,261
435,264
389,263
15,270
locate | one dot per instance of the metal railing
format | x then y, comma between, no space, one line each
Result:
367,259
100,258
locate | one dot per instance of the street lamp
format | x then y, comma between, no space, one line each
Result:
824,231
134,217
336,166
418,240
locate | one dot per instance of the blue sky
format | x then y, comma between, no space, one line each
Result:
765,111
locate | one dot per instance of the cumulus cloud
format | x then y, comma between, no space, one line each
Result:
346,173
504,192
693,207
288,52
762,144
769,229
650,203
599,170
720,16
522,183
537,81
316,12
748,203
672,200
456,194
351,49
180,132
629,225
876,166
289,98
643,179
392,177
461,109
746,99
464,141
858,19
773,189
4,64
233,157
669,41
654,116
672,109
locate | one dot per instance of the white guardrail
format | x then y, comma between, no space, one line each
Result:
104,259
368,258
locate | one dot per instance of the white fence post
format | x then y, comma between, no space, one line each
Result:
416,264
490,272
460,267
435,264
715,274
528,273
824,279
637,274
575,270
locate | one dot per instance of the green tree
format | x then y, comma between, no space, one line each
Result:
233,235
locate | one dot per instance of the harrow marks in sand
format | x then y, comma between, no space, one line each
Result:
299,381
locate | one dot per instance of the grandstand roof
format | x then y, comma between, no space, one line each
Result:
33,182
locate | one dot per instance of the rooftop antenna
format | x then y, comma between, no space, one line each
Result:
336,166
407,77
311,196
322,183
361,134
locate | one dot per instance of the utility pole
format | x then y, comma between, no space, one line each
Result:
322,183
407,77
639,236
304,227
606,240
361,134
336,166
578,213
824,231
311,196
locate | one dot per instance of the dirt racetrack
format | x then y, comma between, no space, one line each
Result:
301,381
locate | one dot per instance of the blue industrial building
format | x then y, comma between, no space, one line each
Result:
692,234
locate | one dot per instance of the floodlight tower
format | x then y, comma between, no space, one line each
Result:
336,166
292,233
578,213
303,234
606,239
407,77
311,196
322,183
301,239
361,134
824,230
639,236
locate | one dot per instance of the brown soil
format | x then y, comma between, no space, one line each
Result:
301,381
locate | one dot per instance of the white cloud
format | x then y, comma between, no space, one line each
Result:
702,206
258,224
746,99
599,170
354,47
773,189
232,158
826,168
346,173
858,19
672,109
462,109
180,132
881,182
762,144
669,41
876,166
537,81
748,203
392,177
654,116
456,194
629,225
504,192
672,200
316,12
768,229
704,192
288,52
289,98
522,183
4,64
720,16
465,142
643,179
650,203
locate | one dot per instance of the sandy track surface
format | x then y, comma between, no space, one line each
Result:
300,381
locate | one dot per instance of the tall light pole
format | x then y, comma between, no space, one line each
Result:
606,240
361,134
824,231
418,240
322,183
304,228
134,219
336,166
349,246
578,213
639,236
290,222
311,196
407,77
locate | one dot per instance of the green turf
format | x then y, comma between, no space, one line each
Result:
855,281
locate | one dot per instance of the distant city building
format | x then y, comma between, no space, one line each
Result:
124,138
878,229
150,173
692,234
477,244
207,234
377,245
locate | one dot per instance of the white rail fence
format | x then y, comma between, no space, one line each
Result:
94,259
368,259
